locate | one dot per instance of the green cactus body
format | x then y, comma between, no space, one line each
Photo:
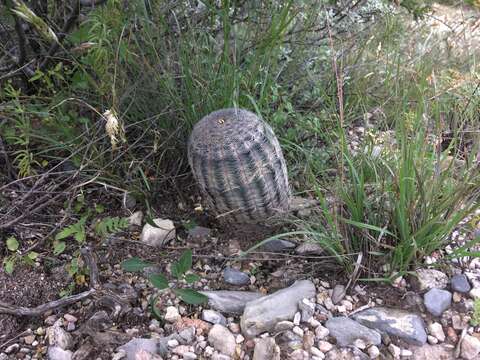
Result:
238,163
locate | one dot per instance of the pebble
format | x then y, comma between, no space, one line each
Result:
321,332
316,352
222,339
284,325
235,277
29,339
346,331
299,355
213,317
324,346
432,340
470,348
435,329
278,245
230,302
297,318
172,314
405,353
338,294
158,236
298,331
373,352
57,353
307,309
430,278
12,348
70,318
437,301
460,283
394,350
172,343
475,293
452,334
239,339
266,349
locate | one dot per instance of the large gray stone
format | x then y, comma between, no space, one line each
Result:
346,331
230,302
437,301
262,314
407,326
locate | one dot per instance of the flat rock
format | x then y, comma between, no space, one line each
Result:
278,245
235,277
266,349
214,317
346,331
262,314
138,345
407,326
309,249
427,279
432,352
437,301
57,353
230,302
158,236
460,283
59,337
470,348
222,339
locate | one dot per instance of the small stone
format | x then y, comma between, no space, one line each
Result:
430,278
172,315
316,352
172,343
57,353
199,233
297,318
189,356
214,317
12,348
299,355
373,352
460,283
135,219
457,322
328,304
324,346
475,293
314,322
394,350
187,335
278,245
457,297
234,327
59,337
346,331
309,249
284,325
307,309
70,318
452,334
158,236
321,332
234,277
359,343
222,339
230,302
338,294
70,326
405,353
50,320
432,340
29,339
436,330
239,339
470,347
298,331
181,349
437,301
40,331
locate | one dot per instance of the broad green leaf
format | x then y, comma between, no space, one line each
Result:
135,264
59,248
99,208
191,296
81,235
12,244
66,232
8,265
32,255
184,263
191,278
159,281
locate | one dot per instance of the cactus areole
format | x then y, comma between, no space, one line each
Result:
238,163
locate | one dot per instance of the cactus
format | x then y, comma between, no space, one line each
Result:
238,163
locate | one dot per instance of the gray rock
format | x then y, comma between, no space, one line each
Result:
346,331
278,245
214,317
59,337
230,302
3,356
266,349
262,314
460,283
136,218
309,249
199,233
437,301
187,335
136,345
57,353
338,293
222,339
157,236
470,347
430,278
407,326
234,277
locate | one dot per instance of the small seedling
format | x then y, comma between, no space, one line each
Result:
10,260
180,271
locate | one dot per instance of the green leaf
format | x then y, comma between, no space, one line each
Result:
154,308
191,278
99,208
183,264
190,296
135,264
81,235
32,255
8,265
59,248
159,281
12,244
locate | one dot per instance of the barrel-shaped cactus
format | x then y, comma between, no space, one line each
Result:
238,163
